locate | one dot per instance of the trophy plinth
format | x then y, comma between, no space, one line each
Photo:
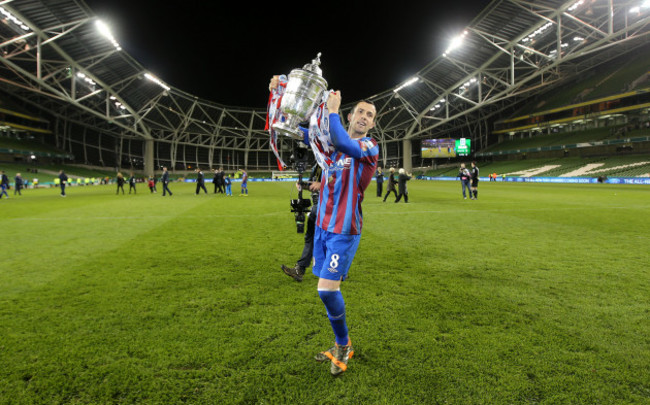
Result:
301,97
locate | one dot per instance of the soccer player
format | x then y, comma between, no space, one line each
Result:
244,184
339,220
4,184
474,174
338,223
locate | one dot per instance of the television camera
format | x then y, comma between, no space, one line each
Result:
300,206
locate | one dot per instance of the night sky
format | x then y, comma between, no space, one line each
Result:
226,51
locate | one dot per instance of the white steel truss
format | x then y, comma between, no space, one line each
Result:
513,50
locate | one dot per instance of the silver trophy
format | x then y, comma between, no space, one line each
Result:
301,97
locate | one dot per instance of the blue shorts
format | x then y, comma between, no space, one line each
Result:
333,254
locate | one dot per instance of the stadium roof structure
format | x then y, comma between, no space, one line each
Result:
53,58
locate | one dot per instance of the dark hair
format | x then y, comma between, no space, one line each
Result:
363,101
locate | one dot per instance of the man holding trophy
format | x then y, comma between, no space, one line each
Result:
349,160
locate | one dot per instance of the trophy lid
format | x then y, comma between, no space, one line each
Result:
314,66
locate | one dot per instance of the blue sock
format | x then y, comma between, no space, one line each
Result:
335,306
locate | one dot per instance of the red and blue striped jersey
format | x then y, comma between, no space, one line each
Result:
343,185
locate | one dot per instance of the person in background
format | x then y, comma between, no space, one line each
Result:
474,176
228,184
380,181
63,180
165,181
151,184
4,184
465,177
298,271
18,184
401,181
132,183
215,180
120,183
391,184
244,183
200,181
221,183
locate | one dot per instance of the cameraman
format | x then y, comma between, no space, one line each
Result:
298,271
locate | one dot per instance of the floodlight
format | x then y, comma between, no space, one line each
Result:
537,32
14,19
455,43
157,81
411,81
103,29
106,32
576,5
86,79
407,83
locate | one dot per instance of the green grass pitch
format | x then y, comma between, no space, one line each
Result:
535,293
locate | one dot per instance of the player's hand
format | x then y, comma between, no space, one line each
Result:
275,81
314,186
334,102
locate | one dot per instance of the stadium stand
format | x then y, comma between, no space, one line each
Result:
621,166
